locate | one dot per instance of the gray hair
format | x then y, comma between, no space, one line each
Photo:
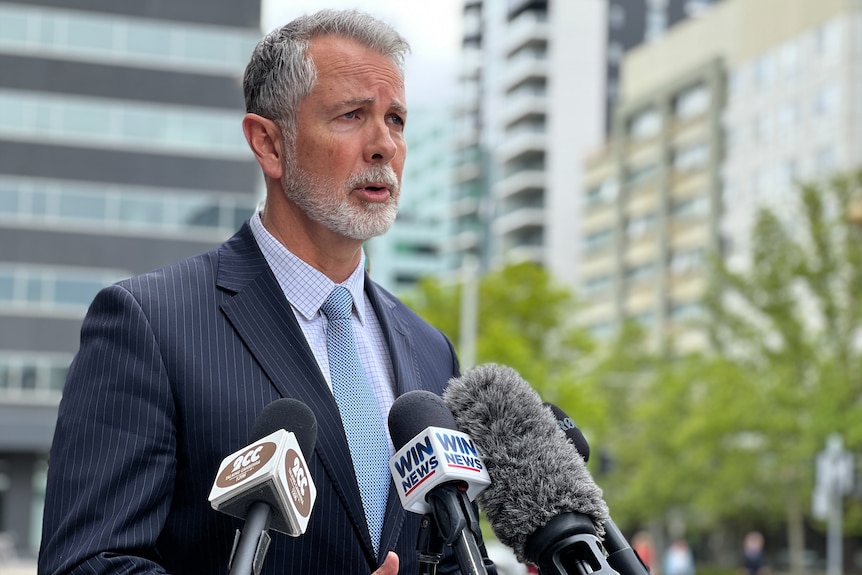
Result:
280,74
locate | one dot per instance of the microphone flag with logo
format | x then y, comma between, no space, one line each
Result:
267,483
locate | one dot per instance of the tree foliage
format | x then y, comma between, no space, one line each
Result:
525,321
729,436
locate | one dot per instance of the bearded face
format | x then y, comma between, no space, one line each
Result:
333,204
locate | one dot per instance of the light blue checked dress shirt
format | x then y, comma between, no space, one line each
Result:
306,289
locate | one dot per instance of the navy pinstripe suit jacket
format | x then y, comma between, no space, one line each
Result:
174,367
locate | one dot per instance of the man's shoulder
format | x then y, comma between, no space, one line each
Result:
198,269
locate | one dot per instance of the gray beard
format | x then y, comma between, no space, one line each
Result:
315,197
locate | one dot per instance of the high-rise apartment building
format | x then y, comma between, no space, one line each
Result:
539,78
716,119
532,78
120,150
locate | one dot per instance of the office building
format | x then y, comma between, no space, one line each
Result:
716,119
120,150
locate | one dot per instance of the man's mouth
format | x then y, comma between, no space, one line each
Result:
375,192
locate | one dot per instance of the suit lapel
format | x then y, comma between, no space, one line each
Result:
266,323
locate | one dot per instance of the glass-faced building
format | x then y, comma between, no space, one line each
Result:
121,150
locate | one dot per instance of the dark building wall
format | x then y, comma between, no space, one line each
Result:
242,13
136,254
106,81
197,173
29,334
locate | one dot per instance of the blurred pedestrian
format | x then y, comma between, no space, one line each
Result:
678,559
753,561
643,546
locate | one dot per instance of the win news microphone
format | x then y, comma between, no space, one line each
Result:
437,472
267,483
542,502
621,556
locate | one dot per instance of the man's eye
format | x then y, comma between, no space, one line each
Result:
396,119
350,115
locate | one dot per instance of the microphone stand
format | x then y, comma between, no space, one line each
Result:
457,525
250,544
620,554
429,545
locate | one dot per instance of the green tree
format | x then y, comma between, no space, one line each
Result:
792,322
525,321
728,437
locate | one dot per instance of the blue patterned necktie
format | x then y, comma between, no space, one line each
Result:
360,413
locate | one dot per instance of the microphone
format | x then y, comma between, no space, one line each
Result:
542,502
573,434
621,556
437,471
267,483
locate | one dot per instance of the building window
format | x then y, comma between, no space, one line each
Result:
121,124
828,39
687,312
788,118
637,226
690,207
603,193
645,319
687,261
827,101
29,375
598,286
692,102
640,272
142,210
788,60
601,330
598,240
59,291
691,157
645,124
763,71
78,35
641,174
616,16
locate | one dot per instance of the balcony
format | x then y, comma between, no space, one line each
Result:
523,70
521,147
520,220
525,181
522,105
529,27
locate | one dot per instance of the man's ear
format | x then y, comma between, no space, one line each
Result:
266,142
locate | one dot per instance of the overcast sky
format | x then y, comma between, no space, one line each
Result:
433,29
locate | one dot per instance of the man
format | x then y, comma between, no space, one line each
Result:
175,365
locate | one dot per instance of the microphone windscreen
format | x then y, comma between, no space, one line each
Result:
573,434
291,415
534,477
415,411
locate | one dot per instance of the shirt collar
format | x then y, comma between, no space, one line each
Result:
305,287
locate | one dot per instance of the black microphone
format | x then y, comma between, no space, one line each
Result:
621,556
568,426
542,502
267,483
438,472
